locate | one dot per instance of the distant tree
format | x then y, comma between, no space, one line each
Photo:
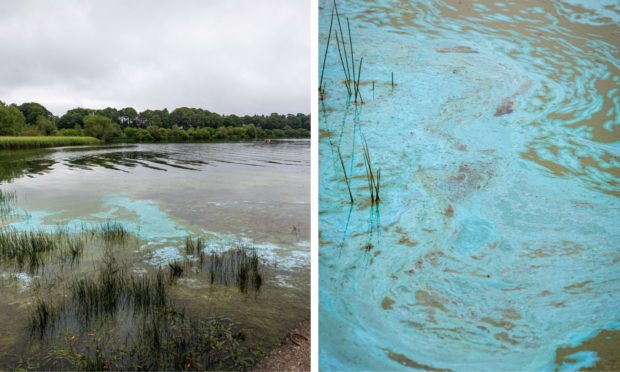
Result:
33,110
111,113
127,117
101,127
74,117
12,120
45,125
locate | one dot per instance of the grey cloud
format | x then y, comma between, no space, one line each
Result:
227,56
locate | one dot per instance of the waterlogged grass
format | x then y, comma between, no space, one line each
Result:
159,337
166,341
237,266
31,249
112,232
7,203
117,318
17,143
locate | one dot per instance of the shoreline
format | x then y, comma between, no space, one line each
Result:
293,352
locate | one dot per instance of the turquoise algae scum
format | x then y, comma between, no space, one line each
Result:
495,245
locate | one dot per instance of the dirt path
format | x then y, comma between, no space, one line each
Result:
293,354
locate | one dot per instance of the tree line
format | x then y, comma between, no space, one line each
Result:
182,124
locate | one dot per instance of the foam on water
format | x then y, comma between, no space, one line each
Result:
495,242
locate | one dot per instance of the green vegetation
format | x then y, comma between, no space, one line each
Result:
348,66
159,337
7,202
118,319
167,341
374,179
30,249
32,125
111,232
238,266
27,142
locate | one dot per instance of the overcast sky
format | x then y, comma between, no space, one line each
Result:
227,56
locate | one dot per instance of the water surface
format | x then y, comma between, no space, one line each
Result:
249,194
495,244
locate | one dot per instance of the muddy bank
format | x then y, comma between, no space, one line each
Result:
293,353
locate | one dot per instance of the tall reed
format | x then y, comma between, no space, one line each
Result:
346,178
374,179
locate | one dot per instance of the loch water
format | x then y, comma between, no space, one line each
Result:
495,244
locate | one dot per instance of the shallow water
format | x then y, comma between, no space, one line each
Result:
495,244
233,193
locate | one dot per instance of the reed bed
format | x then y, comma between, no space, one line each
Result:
18,143
112,232
162,341
157,337
111,290
31,249
7,202
237,266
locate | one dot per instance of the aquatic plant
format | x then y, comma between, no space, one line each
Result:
346,178
158,336
43,317
30,249
112,232
163,341
7,202
238,266
194,246
374,179
175,270
321,87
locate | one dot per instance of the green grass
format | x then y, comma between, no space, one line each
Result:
7,202
30,249
238,266
17,143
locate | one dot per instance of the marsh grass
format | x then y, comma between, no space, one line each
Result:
44,317
161,341
346,178
195,247
17,143
321,86
112,232
7,202
32,249
128,321
236,266
175,270
374,179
